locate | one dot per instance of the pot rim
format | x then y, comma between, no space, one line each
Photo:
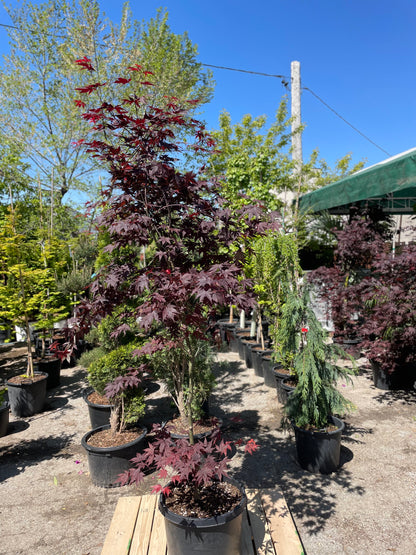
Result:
335,420
27,381
92,449
87,391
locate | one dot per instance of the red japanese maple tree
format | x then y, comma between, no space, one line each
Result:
194,247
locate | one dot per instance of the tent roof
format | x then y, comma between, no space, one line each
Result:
390,184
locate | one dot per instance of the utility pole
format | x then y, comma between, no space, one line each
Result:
296,114
296,130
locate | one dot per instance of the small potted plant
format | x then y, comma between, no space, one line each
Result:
314,406
118,377
202,506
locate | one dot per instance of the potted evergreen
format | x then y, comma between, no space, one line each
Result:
177,218
314,406
110,447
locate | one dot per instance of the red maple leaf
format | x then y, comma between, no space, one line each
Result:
122,80
251,446
85,63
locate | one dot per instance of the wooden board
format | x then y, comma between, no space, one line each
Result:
122,526
282,529
138,527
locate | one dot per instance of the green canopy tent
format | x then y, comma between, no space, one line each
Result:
390,184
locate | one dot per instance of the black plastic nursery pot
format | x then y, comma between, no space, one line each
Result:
257,353
106,463
350,346
242,336
319,451
217,424
267,365
99,414
226,329
27,397
4,419
220,535
248,344
279,376
52,367
404,377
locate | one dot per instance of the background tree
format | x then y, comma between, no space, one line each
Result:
38,79
253,159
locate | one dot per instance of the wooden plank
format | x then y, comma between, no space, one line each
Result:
263,543
158,540
122,525
246,541
143,529
282,528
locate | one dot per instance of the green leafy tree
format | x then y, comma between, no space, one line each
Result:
253,159
27,278
39,78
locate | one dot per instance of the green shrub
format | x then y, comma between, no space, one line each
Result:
168,364
89,357
107,368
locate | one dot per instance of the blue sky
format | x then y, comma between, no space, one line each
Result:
357,55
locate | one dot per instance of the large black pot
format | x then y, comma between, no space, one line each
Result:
279,376
248,344
217,425
319,451
99,414
52,366
267,366
4,419
220,535
256,353
226,329
242,335
106,463
28,397
350,346
404,377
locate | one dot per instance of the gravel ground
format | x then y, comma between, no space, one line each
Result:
50,507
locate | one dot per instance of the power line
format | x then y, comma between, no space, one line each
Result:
345,121
285,83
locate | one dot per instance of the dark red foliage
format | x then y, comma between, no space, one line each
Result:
197,464
190,268
359,247
372,294
389,301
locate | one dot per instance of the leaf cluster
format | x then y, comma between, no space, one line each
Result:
196,464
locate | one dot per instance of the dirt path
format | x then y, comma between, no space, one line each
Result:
49,506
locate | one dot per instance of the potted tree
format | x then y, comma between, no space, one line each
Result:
177,217
360,242
315,403
389,322
110,447
19,299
